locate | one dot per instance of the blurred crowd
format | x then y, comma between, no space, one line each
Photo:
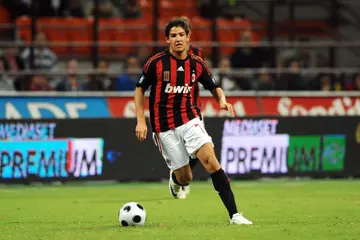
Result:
110,8
13,61
233,72
74,8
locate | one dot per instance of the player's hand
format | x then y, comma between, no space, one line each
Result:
141,131
228,107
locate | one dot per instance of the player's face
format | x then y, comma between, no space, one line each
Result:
178,40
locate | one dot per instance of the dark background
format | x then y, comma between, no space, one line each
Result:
126,159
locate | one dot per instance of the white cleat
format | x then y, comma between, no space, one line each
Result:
186,189
182,194
238,219
175,190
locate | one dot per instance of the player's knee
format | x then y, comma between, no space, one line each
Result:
210,163
214,166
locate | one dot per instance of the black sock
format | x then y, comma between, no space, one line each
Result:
173,176
193,162
222,186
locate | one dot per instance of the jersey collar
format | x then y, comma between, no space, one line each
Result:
172,56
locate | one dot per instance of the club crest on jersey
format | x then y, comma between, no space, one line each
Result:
166,76
193,77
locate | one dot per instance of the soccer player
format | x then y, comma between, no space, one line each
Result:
195,92
174,118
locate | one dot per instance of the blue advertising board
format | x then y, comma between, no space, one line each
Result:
51,158
31,149
53,107
42,158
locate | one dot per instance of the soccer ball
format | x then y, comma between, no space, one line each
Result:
132,214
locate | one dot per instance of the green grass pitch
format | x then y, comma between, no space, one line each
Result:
280,209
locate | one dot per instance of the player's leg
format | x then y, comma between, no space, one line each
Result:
186,188
180,178
193,160
200,143
184,176
176,158
221,182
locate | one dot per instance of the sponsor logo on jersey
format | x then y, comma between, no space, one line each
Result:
177,89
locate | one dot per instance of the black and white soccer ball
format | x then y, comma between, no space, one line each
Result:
132,214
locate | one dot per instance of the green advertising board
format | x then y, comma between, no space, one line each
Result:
316,153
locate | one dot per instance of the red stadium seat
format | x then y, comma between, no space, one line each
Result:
229,32
147,9
162,24
116,35
81,35
5,18
166,9
107,29
226,34
201,32
24,28
56,31
140,30
120,35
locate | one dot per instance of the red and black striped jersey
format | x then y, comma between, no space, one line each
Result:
196,51
171,81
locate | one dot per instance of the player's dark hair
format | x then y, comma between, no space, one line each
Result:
188,21
177,22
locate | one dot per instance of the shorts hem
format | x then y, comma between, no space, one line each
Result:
179,166
192,155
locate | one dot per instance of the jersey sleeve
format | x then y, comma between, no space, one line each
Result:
147,76
206,78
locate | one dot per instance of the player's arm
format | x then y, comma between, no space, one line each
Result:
139,99
208,81
220,98
140,104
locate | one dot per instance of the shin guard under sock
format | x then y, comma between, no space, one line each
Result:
222,186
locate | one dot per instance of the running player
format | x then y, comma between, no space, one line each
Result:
195,92
174,118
